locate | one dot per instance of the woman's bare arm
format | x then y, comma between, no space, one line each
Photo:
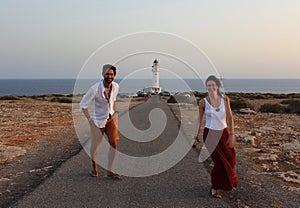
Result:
201,113
230,123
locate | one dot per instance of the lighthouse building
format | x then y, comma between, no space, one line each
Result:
155,69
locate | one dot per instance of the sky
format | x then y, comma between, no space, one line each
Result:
242,38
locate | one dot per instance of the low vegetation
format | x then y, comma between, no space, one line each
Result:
286,106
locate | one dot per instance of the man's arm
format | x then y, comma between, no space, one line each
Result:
115,98
86,113
85,101
115,106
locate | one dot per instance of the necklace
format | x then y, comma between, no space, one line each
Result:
107,97
217,109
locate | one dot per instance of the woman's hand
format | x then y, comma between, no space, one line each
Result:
231,140
195,141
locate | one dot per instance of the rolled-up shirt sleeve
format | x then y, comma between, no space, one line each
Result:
87,98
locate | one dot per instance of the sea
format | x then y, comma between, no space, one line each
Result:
30,87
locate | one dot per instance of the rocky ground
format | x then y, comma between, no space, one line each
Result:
26,120
36,137
273,143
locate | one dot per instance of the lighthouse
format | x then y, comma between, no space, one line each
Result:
155,69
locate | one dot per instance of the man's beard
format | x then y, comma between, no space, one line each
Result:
108,80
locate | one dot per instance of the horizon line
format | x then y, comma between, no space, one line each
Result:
73,78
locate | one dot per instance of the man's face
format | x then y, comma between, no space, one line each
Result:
109,76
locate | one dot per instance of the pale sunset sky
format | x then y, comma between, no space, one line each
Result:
243,38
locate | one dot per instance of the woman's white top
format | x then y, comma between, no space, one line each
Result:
215,117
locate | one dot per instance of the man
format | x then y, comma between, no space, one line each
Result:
103,117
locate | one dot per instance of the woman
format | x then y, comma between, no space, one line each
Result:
218,136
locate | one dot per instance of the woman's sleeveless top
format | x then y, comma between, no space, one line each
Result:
215,117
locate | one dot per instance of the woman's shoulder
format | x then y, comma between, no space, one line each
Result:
202,100
227,101
202,103
226,98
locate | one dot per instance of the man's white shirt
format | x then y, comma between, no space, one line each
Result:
100,107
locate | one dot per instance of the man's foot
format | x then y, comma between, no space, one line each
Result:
215,193
94,173
113,175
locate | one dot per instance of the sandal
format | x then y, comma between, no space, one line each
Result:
216,194
113,175
94,173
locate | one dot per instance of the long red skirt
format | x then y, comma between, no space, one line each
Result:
223,175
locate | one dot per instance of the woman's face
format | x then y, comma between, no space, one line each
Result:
211,87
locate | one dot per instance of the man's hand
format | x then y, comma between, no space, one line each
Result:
91,122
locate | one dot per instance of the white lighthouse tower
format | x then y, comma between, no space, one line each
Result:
155,69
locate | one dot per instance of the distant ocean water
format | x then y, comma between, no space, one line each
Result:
30,87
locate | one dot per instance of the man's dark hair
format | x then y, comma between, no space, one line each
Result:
109,66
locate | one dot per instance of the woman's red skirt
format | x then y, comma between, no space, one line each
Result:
223,175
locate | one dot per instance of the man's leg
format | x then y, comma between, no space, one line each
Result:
111,131
111,154
96,140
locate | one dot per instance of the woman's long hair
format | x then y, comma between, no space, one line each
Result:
218,83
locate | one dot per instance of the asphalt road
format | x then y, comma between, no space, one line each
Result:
186,184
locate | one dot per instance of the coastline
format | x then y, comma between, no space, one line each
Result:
39,86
